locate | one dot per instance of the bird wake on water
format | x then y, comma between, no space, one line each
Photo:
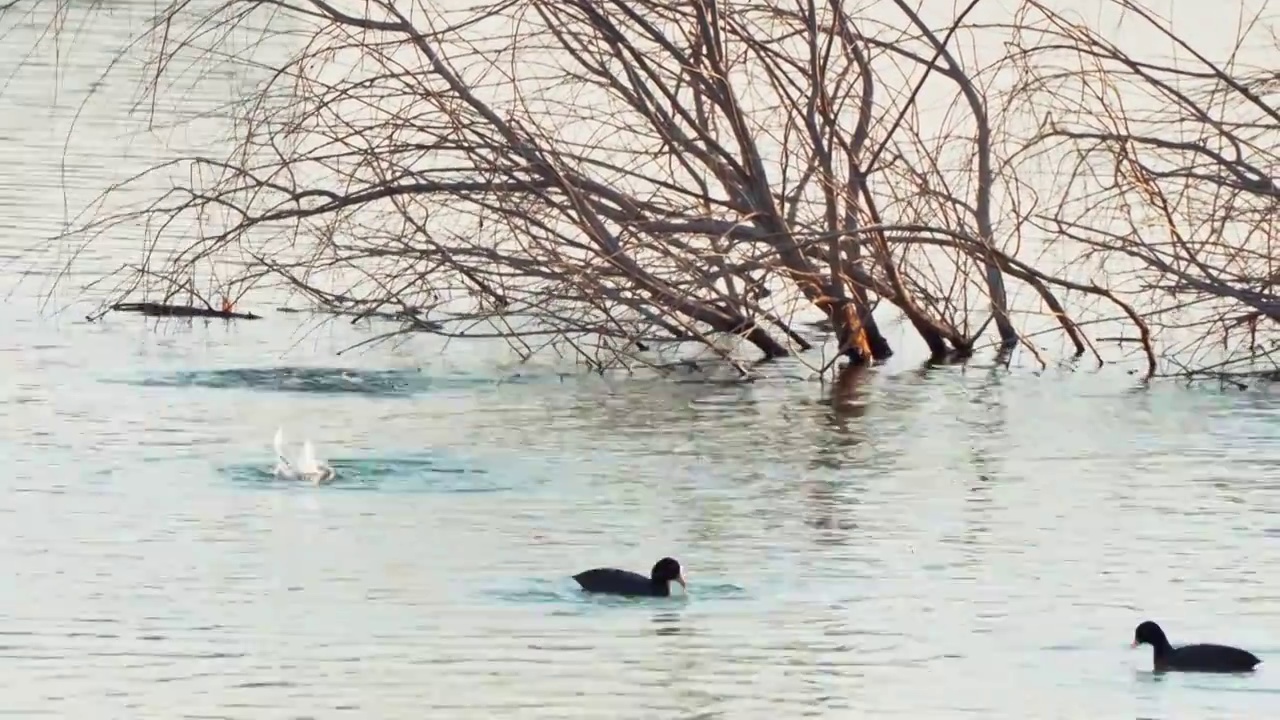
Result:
306,469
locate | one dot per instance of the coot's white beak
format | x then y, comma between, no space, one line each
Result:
680,580
1133,644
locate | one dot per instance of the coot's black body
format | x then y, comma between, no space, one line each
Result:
1204,657
612,581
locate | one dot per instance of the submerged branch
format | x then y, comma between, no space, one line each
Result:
152,309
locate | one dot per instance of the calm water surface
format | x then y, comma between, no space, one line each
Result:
947,544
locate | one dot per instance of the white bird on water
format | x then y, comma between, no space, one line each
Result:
307,468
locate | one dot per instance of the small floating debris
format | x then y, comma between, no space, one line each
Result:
411,316
152,309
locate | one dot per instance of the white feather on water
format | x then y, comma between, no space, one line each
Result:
307,467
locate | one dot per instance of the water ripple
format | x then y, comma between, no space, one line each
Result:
394,474
320,380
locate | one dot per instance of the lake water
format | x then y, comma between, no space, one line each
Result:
943,544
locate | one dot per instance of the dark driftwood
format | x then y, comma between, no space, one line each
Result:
164,310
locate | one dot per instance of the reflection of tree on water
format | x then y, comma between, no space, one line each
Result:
865,404
856,407
843,442
832,495
988,429
841,432
332,380
659,406
668,623
684,666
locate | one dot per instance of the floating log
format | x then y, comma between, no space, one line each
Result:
152,309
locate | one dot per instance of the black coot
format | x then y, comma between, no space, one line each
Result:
1192,658
623,582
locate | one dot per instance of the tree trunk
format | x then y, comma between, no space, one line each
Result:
880,348
734,324
851,332
937,345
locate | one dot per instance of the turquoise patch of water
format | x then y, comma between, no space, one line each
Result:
722,591
396,474
323,380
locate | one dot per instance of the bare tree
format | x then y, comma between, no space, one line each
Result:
1166,177
604,174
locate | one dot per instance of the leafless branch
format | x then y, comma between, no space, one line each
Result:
601,175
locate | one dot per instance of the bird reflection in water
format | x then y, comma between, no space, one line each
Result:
668,623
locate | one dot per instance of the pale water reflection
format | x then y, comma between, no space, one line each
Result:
943,544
